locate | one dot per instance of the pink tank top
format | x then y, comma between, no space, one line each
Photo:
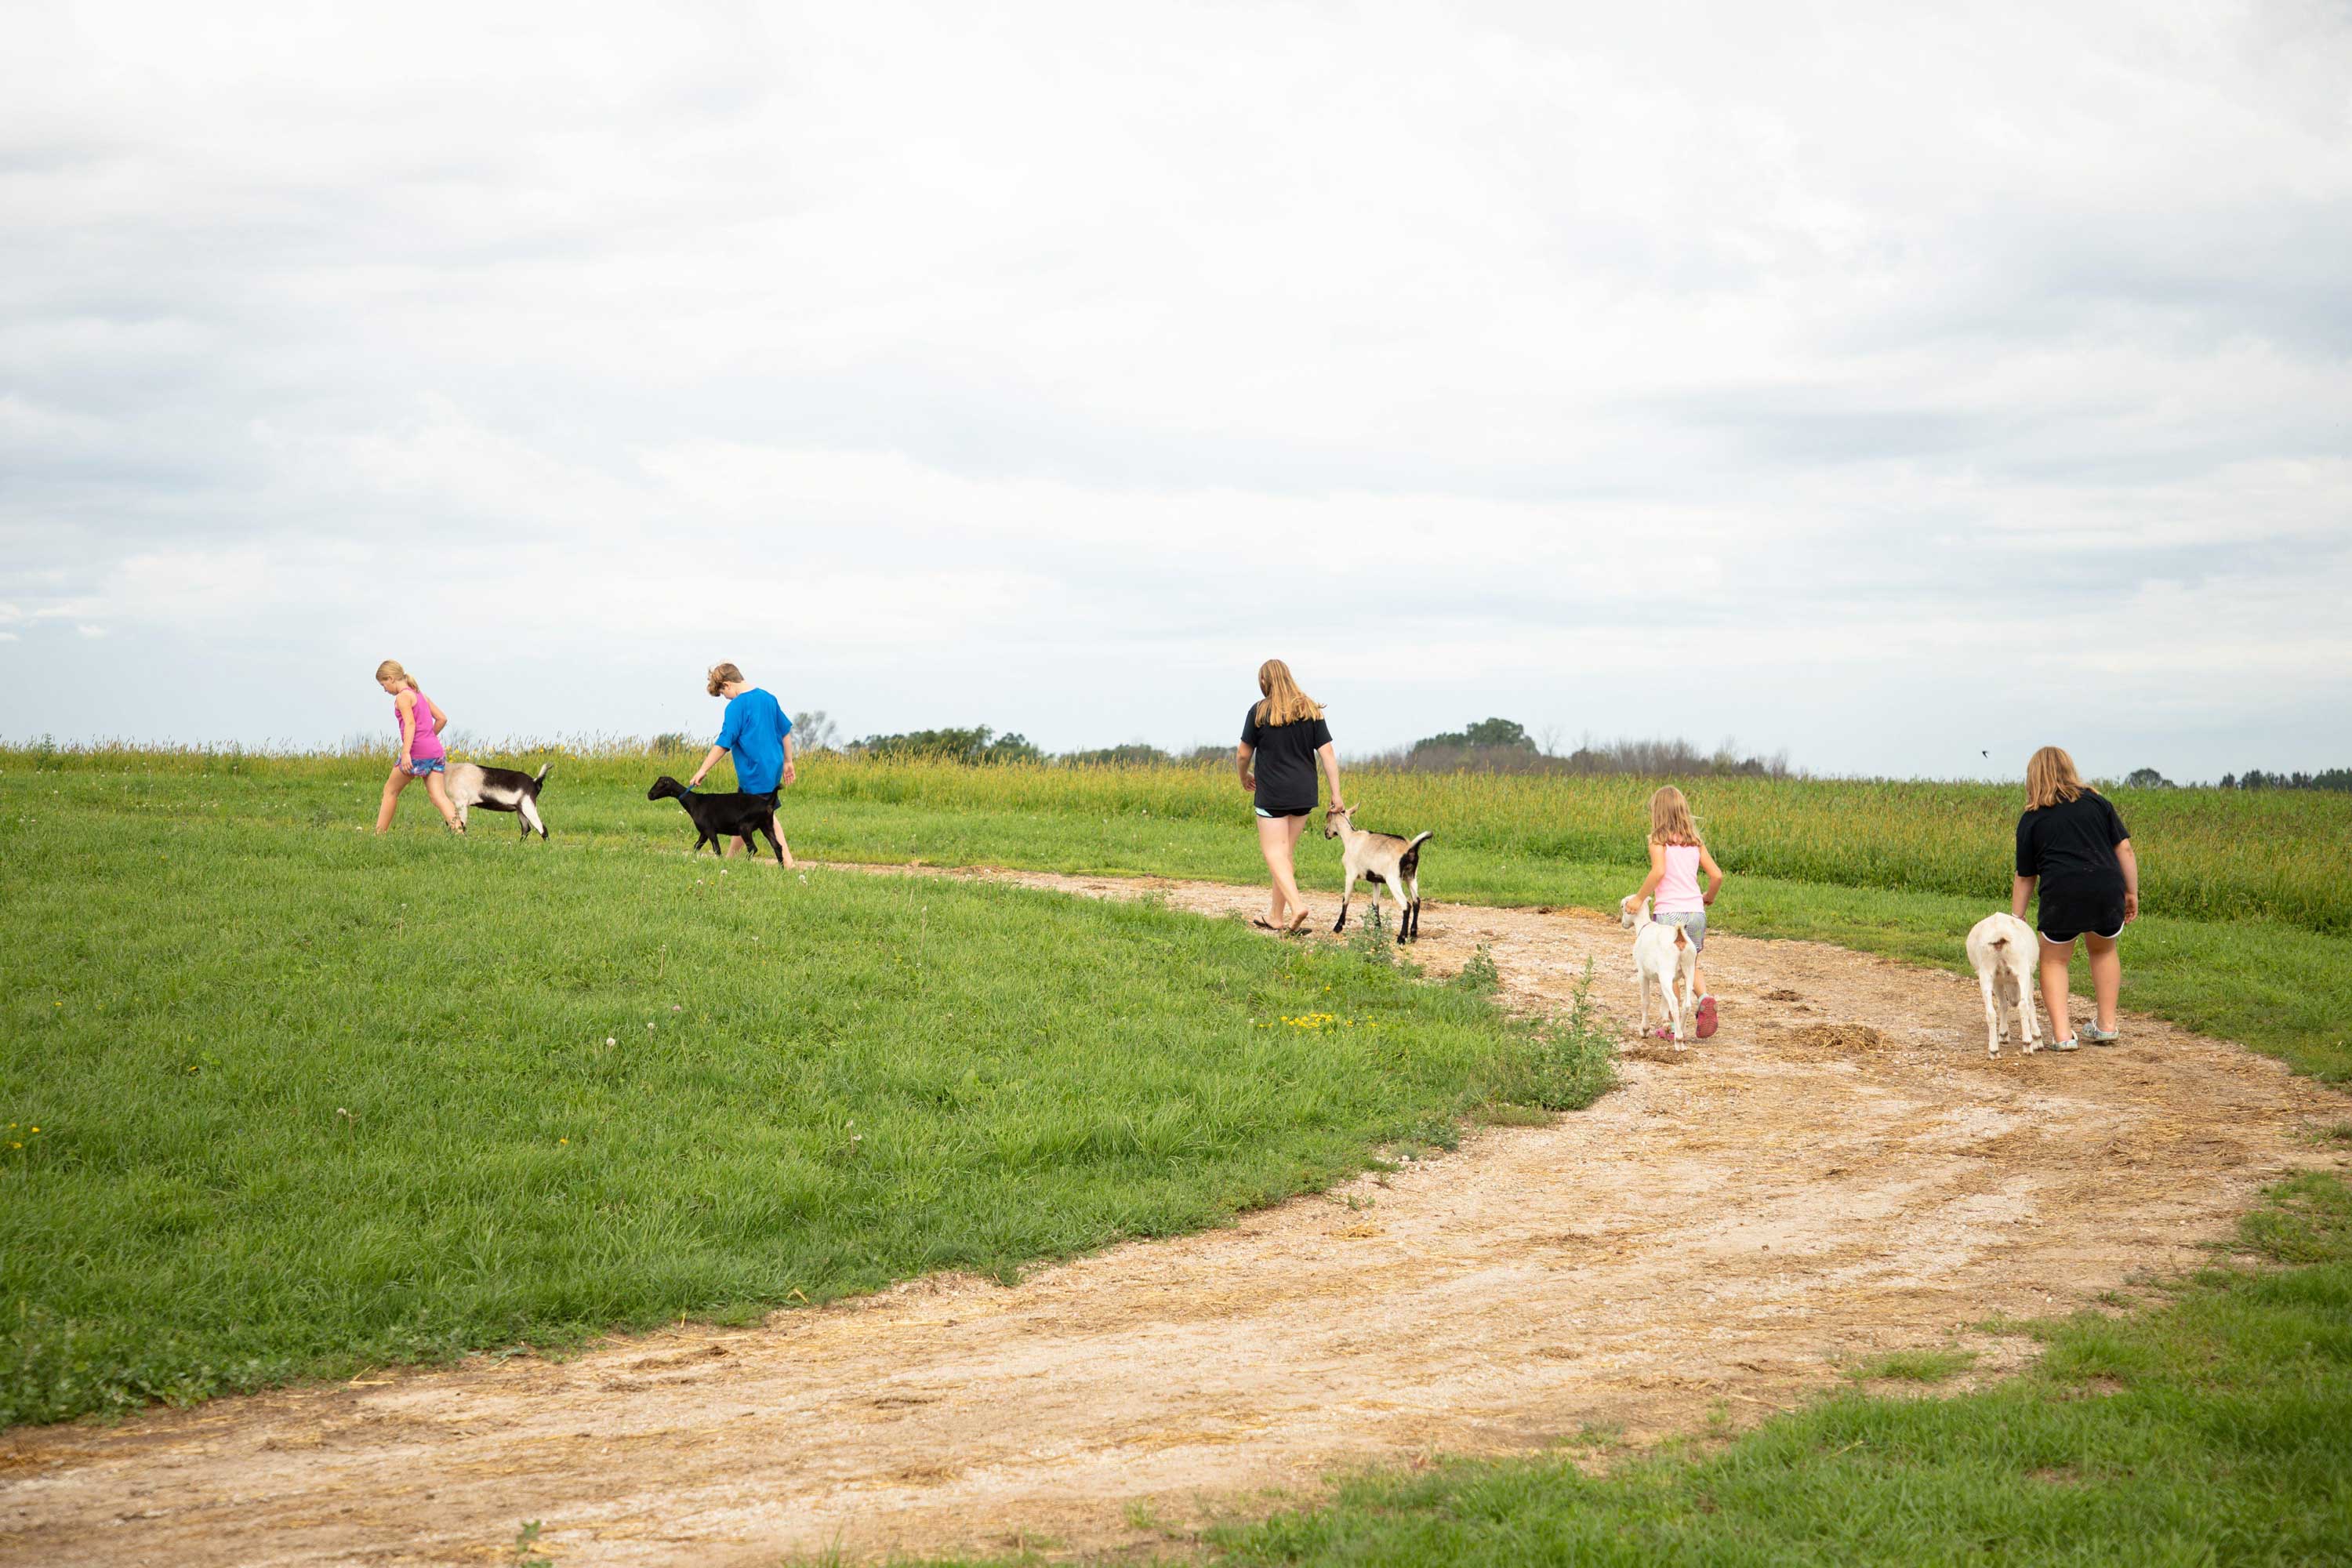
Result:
1678,893
427,745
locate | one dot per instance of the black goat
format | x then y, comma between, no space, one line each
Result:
721,816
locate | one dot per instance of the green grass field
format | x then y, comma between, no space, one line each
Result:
309,1100
282,1099
1903,869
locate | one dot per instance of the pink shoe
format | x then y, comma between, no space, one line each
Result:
1706,1017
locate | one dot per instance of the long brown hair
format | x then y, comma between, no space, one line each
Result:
390,671
1283,702
1670,818
2051,778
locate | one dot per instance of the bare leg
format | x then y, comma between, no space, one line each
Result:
1276,839
441,803
2057,959
391,788
2106,975
735,844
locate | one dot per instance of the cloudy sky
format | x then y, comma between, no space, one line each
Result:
1888,383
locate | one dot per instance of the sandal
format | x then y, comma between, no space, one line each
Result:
1265,925
1295,927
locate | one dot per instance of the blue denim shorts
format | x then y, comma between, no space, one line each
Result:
1691,920
419,766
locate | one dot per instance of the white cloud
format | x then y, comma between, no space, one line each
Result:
1025,366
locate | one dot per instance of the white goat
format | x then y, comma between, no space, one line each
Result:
1662,957
1390,862
2002,952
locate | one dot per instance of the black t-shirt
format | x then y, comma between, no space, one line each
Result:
1285,763
2071,846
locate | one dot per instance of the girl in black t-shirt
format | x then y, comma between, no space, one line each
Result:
2071,846
1284,735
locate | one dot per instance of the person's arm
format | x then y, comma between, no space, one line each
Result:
2028,867
1330,756
731,730
2131,880
1714,874
1242,755
406,703
440,719
1657,873
790,773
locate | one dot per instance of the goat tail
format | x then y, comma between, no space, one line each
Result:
540,777
1418,840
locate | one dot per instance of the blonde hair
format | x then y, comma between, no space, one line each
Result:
1670,818
1284,703
721,676
2051,778
390,671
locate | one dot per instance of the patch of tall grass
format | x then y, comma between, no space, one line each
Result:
2215,855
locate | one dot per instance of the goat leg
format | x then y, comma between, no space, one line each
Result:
1347,893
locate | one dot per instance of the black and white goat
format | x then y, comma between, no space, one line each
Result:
1390,862
498,789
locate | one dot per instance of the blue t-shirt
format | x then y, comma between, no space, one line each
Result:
754,731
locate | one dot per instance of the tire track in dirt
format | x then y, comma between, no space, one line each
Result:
1840,1171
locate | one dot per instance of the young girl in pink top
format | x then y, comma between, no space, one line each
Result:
421,722
1677,855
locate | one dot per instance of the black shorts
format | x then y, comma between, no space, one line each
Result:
2062,919
1280,811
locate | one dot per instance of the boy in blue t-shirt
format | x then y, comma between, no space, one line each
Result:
760,734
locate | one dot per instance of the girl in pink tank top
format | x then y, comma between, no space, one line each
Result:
1677,855
422,755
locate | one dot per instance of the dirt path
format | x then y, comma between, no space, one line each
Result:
1840,1171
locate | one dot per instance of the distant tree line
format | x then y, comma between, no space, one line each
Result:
2256,778
2339,779
1504,745
1490,745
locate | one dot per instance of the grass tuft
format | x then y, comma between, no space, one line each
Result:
1913,1366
